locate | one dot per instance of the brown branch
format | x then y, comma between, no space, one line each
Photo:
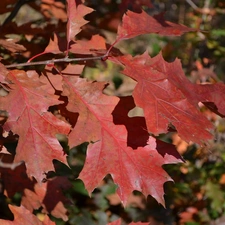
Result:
52,61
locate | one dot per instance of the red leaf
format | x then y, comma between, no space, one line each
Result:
137,134
116,222
36,127
167,97
131,170
89,103
75,15
54,46
3,73
49,196
97,43
14,180
213,96
139,223
137,131
12,46
22,216
53,9
85,98
135,24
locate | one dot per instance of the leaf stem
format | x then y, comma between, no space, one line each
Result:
52,61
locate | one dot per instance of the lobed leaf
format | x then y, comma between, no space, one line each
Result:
168,97
75,14
37,128
49,196
134,24
24,216
97,43
108,153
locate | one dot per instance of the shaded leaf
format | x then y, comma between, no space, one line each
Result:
49,196
54,8
11,45
4,4
137,135
15,180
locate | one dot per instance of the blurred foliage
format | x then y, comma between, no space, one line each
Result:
198,194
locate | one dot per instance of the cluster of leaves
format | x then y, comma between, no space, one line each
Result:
46,105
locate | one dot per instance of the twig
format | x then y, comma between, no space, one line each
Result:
192,4
15,10
11,166
205,10
52,61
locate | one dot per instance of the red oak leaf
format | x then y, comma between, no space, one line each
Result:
52,8
36,127
14,180
86,98
12,46
55,46
82,96
97,43
119,222
167,97
22,216
130,169
49,196
135,24
75,14
213,96
3,73
49,76
138,134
